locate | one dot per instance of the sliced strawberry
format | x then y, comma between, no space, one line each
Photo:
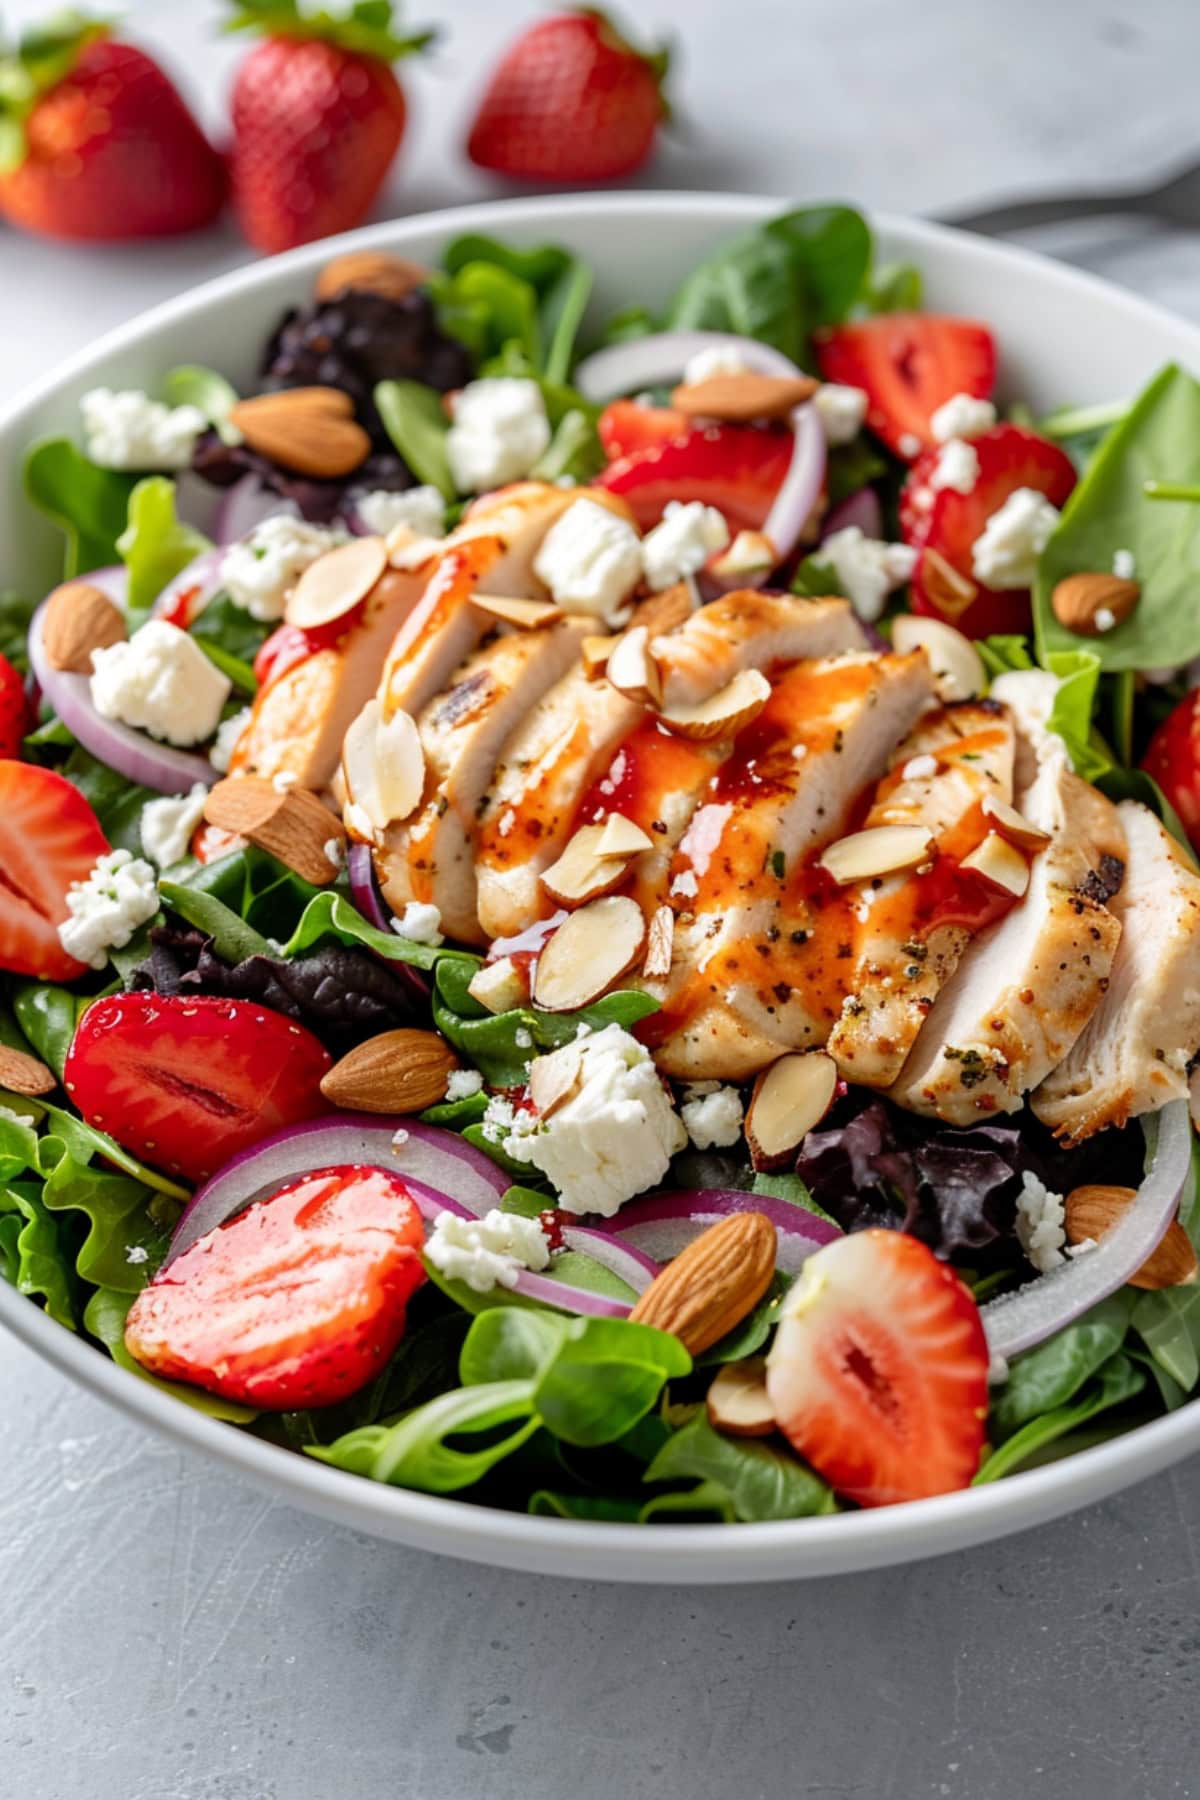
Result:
878,1372
626,426
14,709
909,364
298,1301
1173,759
49,837
735,468
1010,457
185,1083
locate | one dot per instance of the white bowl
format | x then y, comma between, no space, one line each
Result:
1064,338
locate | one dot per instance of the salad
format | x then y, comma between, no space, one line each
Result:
601,917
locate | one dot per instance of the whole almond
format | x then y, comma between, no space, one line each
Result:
23,1074
1090,604
369,272
78,619
290,824
397,1072
1092,1210
308,430
714,1283
741,398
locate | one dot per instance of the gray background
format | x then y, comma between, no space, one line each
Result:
166,1634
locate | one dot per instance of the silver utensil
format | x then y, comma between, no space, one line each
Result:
1175,199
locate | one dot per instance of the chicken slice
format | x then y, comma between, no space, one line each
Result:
749,979
1133,1055
749,630
431,857
1026,987
913,927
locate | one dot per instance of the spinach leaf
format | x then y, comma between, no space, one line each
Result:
896,287
232,939
416,1452
104,1317
116,802
47,1015
1168,1323
705,1503
191,384
155,544
84,1141
1050,1376
261,890
761,1480
575,450
605,1376
416,422
90,504
510,1344
331,915
1117,1380
546,1504
752,1332
493,295
15,616
1004,652
1078,674
1135,784
233,639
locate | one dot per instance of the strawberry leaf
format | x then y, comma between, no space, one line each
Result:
366,28
44,56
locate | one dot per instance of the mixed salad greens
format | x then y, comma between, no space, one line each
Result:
167,1059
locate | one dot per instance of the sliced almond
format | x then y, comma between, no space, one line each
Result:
751,553
737,1401
958,672
662,612
527,615
1091,604
292,826
582,872
1091,1211
950,591
711,1285
631,669
397,1072
369,272
723,714
554,1078
660,944
335,584
78,619
23,1074
588,953
308,430
383,765
879,850
621,837
740,399
1014,825
408,551
789,1098
594,652
1001,864
501,986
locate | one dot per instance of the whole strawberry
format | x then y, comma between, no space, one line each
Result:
318,117
95,141
572,100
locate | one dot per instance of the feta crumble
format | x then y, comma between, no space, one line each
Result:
1041,1232
422,509
261,569
613,1138
136,1254
421,923
167,825
463,1084
957,467
962,416
718,359
126,429
1105,618
591,561
160,681
682,543
1005,553
228,733
868,570
713,1120
500,429
841,411
104,911
488,1252
910,445
1124,565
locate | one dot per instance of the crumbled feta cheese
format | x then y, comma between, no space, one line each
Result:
1005,553
136,1254
400,1137
422,509
228,733
500,429
104,911
614,1137
167,825
499,1119
260,571
421,923
1124,565
1040,1229
868,570
718,359
160,681
1105,618
463,1084
962,416
957,467
9,1117
488,1252
591,561
920,768
841,411
682,543
714,1120
910,444
126,429
523,1038
998,1371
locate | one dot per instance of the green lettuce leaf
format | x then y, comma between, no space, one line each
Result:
155,544
760,1480
191,384
415,420
88,503
1048,1377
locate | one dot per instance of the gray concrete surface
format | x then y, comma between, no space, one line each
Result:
166,1634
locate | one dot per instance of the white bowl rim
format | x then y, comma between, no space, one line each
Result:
665,1553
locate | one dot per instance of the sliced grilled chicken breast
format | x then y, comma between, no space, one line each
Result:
1025,988
431,858
749,630
1133,1055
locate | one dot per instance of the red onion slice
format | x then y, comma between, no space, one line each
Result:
661,1225
246,504
800,492
132,753
1017,1321
661,358
112,580
360,871
632,1265
204,574
861,508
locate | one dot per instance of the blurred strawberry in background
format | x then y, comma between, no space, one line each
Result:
318,117
572,100
95,141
